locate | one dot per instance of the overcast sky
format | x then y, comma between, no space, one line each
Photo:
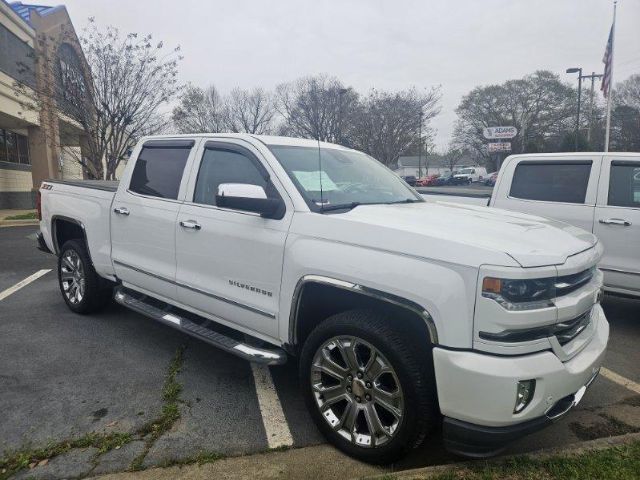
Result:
387,44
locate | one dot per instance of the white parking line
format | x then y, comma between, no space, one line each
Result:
620,380
275,424
5,293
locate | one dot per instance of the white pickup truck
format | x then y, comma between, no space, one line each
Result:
599,192
404,315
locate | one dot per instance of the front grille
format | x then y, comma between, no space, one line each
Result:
564,331
569,283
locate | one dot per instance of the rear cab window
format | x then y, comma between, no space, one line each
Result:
624,184
552,181
159,168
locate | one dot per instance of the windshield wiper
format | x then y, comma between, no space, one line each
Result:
406,200
340,206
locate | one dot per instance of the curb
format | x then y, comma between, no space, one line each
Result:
571,449
18,223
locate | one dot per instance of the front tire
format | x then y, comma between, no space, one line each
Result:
369,387
82,288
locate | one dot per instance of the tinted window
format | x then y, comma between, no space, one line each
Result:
551,182
158,171
224,166
624,184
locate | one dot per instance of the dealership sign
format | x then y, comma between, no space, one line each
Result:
492,133
499,147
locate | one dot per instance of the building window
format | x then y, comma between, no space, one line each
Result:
14,147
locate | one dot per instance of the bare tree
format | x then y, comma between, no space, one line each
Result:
114,101
250,111
200,111
539,105
316,107
389,124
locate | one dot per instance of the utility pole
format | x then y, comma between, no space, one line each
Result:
420,145
593,77
577,70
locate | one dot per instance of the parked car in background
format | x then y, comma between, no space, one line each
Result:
598,192
407,317
427,181
490,181
410,179
444,179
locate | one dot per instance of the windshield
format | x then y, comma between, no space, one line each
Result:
347,178
466,170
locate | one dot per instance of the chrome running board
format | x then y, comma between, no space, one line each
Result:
177,318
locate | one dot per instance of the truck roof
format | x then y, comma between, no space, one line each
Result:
564,155
266,139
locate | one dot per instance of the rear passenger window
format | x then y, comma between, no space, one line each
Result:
551,181
624,184
225,166
158,171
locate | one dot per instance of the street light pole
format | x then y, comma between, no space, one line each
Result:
577,70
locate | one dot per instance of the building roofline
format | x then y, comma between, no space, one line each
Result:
18,20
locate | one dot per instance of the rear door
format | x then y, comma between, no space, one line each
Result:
564,189
617,223
229,262
143,217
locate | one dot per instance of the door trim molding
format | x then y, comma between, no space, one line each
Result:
198,290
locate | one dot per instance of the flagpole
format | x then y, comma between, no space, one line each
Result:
610,92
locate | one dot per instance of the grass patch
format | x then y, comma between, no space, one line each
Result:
23,458
170,410
200,458
615,463
22,216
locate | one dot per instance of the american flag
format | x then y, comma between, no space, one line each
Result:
607,60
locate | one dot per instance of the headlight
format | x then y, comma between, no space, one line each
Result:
520,294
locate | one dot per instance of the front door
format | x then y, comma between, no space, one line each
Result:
229,262
617,223
143,218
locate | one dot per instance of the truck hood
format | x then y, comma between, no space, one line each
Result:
458,233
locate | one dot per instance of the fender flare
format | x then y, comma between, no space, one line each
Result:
54,232
360,290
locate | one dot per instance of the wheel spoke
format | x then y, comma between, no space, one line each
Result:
396,412
68,263
348,352
377,367
331,369
348,420
373,422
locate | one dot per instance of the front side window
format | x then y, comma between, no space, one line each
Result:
551,181
331,178
158,171
220,166
624,184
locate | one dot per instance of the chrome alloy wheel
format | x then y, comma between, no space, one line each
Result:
72,276
357,391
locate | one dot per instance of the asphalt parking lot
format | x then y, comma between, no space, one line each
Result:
63,375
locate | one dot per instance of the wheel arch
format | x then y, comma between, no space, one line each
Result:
66,228
308,308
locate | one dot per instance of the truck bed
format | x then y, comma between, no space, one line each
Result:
106,185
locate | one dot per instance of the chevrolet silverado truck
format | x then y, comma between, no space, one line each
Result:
406,317
599,192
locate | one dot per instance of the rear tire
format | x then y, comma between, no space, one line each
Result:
83,290
374,410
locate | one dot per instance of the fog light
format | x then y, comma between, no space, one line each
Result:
524,394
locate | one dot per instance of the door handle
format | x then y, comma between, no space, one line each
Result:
615,221
192,224
121,210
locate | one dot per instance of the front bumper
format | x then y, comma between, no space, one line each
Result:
477,391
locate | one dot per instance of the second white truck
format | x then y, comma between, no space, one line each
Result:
403,315
598,192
